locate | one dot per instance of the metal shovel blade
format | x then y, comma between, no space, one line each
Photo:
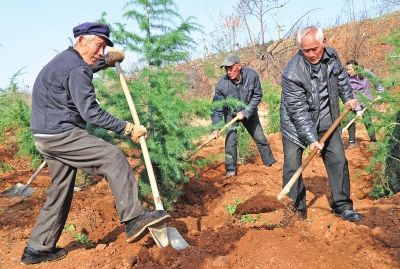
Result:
20,190
163,236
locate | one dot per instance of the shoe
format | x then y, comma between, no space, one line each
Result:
76,189
351,144
277,165
136,228
29,257
230,173
373,140
349,215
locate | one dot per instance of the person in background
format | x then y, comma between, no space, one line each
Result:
63,102
243,84
312,82
360,86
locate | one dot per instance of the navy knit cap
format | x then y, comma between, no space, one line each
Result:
93,28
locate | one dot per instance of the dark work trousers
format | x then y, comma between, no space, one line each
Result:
254,128
367,122
336,166
64,154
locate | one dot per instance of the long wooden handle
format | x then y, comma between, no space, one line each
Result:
350,122
296,175
212,137
32,177
142,140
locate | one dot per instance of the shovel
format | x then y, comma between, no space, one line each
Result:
296,175
163,235
22,190
211,138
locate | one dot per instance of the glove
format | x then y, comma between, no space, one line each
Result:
138,132
135,132
113,56
359,114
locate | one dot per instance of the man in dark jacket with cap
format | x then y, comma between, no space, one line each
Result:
312,83
243,84
63,102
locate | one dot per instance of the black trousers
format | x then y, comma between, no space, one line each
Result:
253,126
336,166
64,154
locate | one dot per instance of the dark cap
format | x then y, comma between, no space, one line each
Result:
230,60
94,28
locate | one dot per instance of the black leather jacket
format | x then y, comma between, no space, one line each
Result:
299,108
250,93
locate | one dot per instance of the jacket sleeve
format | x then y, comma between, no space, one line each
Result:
81,88
217,113
295,103
255,99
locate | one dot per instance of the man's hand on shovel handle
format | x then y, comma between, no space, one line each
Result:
135,132
216,133
352,104
240,116
320,146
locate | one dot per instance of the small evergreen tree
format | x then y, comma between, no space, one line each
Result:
16,114
386,153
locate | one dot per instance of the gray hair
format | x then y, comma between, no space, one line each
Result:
88,37
319,35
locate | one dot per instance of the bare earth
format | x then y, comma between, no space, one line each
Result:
216,239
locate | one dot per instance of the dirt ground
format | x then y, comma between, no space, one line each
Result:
216,239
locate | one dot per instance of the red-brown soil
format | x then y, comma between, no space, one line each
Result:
216,239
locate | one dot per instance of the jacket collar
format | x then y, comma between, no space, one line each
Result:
71,49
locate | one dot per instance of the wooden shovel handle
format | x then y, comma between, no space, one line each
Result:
296,175
142,140
212,137
350,122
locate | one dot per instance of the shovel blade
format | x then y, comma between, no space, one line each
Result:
20,190
163,236
175,239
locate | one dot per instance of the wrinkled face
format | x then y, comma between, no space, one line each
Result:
233,71
350,70
313,50
91,50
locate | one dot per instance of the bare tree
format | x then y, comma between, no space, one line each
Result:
231,23
259,9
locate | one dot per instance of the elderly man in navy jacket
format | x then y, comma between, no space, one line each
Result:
63,102
243,84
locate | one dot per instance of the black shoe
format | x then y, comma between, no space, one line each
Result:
137,228
373,140
29,257
349,215
230,173
351,144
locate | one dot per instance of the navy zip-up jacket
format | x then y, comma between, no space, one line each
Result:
63,98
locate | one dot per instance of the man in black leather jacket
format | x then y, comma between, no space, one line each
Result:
312,83
243,84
